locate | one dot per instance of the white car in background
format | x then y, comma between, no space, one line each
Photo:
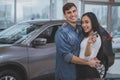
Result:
116,43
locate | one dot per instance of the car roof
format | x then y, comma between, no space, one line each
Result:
42,22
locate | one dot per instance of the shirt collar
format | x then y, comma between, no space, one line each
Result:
70,26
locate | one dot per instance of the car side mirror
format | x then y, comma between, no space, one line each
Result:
39,42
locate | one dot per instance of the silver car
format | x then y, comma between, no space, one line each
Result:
27,50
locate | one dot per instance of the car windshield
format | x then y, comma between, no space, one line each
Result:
16,33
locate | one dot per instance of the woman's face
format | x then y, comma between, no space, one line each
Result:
86,24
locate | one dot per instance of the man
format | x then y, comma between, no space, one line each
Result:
68,38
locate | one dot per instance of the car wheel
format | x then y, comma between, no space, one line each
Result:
102,71
9,75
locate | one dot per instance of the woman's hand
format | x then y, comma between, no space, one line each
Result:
92,39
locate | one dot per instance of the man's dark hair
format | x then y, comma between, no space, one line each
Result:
67,6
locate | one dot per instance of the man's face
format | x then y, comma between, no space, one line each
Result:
71,15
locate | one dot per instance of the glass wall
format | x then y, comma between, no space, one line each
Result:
6,11
14,11
116,20
117,0
56,9
33,9
99,0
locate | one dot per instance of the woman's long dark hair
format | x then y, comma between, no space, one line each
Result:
94,22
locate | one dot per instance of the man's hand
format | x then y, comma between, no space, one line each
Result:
94,62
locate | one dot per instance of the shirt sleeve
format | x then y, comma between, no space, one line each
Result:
63,46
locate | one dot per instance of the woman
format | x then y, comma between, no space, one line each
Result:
90,47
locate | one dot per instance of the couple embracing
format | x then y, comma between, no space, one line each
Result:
77,47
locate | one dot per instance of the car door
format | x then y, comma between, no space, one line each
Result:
42,57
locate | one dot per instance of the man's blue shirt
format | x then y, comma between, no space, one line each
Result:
67,41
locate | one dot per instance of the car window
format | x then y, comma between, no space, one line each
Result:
15,33
49,33
47,36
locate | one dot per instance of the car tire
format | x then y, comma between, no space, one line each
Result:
10,75
102,70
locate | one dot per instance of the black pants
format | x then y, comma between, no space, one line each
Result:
85,72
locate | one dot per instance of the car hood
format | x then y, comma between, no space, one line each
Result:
5,45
